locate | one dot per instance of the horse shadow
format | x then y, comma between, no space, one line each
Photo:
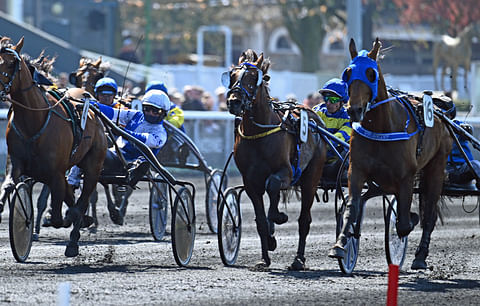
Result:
432,285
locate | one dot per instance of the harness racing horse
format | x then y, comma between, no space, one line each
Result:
40,142
389,146
269,154
454,52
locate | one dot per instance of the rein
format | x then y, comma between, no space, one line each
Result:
36,109
260,135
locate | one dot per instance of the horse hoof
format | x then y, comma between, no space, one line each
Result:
278,218
414,219
298,264
261,266
71,250
49,222
87,221
404,232
93,229
337,252
272,243
35,237
419,264
115,216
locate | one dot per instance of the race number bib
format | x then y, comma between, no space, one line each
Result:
86,106
428,110
137,104
303,125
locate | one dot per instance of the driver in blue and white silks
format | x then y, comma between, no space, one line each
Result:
336,119
145,125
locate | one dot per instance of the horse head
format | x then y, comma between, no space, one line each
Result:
244,80
9,64
87,74
362,77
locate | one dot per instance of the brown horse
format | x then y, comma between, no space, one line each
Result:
454,53
41,143
394,148
88,73
267,149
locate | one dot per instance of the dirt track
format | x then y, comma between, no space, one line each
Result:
122,265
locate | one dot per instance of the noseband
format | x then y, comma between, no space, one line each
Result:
7,86
238,89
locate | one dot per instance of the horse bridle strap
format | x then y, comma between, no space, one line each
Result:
260,135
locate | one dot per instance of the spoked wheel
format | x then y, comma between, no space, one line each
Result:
347,264
183,227
21,222
229,227
211,205
395,247
158,209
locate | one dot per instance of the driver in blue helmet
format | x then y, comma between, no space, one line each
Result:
336,119
105,91
145,125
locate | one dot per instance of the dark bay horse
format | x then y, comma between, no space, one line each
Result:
389,146
41,143
269,154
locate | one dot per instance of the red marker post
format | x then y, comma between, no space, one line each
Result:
392,292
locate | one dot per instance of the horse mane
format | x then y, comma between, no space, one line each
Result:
251,56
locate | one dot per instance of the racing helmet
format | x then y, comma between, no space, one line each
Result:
106,86
158,99
156,85
336,86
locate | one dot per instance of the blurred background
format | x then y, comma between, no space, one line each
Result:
190,42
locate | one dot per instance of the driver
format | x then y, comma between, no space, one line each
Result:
105,91
145,125
336,119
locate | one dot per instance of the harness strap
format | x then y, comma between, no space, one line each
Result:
256,136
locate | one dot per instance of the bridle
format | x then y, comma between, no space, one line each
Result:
8,85
238,88
88,69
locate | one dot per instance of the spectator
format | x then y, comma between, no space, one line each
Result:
221,94
128,52
312,99
193,98
208,101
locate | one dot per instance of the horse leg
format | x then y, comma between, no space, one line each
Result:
454,78
93,206
304,221
274,183
266,239
76,214
352,209
406,220
429,211
41,206
442,81
112,208
8,185
124,203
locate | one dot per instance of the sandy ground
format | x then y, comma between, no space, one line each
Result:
122,265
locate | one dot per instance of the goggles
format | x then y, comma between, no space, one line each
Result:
151,109
331,99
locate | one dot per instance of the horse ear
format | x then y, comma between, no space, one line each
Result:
353,49
242,57
259,60
19,45
98,62
375,50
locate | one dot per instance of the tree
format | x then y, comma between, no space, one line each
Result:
306,24
445,16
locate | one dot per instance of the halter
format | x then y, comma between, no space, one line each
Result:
237,87
359,66
6,87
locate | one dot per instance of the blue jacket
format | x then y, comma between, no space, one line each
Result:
456,156
153,135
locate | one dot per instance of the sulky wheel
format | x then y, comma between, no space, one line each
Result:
158,209
395,247
229,227
211,205
183,227
347,264
21,222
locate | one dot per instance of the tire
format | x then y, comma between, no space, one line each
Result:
395,247
211,205
347,264
21,222
183,227
158,209
229,227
